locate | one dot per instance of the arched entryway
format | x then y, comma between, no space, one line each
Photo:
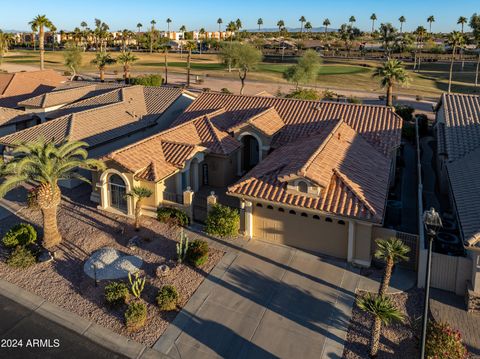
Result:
250,152
118,193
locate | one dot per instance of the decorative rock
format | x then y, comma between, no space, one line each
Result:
133,242
109,263
45,257
162,270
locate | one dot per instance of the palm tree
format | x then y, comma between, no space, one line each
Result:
219,22
53,31
383,311
462,20
302,21
39,23
45,163
259,23
139,27
352,20
231,27
102,60
189,46
183,29
373,17
402,20
392,251
326,23
280,25
126,59
139,194
388,35
308,26
430,20
169,21
392,72
152,34
201,32
238,24
84,25
421,32
455,40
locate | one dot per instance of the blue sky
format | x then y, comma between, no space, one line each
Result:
122,14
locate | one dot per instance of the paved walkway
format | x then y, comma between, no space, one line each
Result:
450,308
266,301
21,323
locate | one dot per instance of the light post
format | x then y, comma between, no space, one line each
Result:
432,223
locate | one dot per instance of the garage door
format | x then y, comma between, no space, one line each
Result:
301,230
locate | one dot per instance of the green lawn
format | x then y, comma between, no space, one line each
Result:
324,69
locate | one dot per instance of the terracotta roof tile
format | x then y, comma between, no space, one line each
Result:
10,116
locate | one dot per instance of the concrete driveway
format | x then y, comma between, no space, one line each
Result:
267,301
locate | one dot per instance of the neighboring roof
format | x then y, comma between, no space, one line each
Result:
379,125
10,116
268,122
163,154
461,130
353,175
18,86
464,176
106,122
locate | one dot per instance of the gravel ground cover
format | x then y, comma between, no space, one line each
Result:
85,230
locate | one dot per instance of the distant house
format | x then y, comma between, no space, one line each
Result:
313,175
18,86
457,130
109,120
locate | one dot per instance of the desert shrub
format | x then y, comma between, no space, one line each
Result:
172,216
197,253
305,94
135,316
147,80
21,257
352,99
116,293
167,298
444,342
222,221
20,234
422,125
405,112
225,90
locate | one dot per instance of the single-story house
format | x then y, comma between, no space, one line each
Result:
310,174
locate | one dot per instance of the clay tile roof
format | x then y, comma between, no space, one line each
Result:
464,176
379,125
461,132
268,122
18,86
352,173
9,116
59,97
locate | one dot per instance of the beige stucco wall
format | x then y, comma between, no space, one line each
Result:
221,169
363,241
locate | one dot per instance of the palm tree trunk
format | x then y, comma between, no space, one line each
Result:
166,66
51,235
451,71
390,95
242,80
41,45
188,67
138,212
386,278
102,75
375,338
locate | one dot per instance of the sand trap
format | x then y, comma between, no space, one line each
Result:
111,264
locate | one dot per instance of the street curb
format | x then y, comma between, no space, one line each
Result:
94,332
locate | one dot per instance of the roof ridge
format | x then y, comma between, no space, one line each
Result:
347,183
177,142
213,130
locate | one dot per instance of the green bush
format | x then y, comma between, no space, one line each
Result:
21,257
225,90
222,221
116,293
405,112
135,316
167,298
197,253
172,216
443,342
20,234
147,80
305,94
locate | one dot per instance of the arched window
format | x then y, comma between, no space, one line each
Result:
328,219
270,207
315,217
302,187
304,214
292,212
118,193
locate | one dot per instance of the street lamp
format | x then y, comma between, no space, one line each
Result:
432,223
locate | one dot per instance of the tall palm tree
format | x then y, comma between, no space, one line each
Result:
462,20
45,163
402,20
308,26
152,34
388,34
373,17
39,23
201,32
390,73
352,20
219,22
169,21
326,23
102,60
302,21
189,46
238,24
259,23
383,311
280,25
455,40
84,25
421,33
231,27
183,29
430,20
139,28
139,194
165,47
53,31
392,251
127,59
